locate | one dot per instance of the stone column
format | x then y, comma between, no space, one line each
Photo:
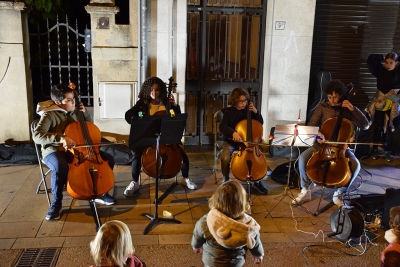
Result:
167,37
114,56
287,61
16,111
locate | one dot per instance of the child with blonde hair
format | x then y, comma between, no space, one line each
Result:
226,232
391,255
113,246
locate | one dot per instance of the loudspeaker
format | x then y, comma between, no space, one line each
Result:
392,199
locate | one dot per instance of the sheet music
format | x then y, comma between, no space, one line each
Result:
284,135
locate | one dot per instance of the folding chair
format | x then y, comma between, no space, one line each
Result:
218,141
41,167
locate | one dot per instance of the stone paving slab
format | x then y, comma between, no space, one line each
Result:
45,242
19,229
22,221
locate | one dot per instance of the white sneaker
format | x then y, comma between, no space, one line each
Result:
188,183
304,195
337,198
131,188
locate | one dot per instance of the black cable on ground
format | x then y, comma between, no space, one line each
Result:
336,249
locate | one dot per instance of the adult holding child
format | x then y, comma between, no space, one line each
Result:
384,108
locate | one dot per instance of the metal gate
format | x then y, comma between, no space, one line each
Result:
225,51
60,55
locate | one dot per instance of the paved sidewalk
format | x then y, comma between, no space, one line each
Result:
286,230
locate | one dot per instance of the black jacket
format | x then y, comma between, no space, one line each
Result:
231,117
143,106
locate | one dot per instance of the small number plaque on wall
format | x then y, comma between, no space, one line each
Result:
280,25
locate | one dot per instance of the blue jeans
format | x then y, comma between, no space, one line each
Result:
226,155
58,164
354,165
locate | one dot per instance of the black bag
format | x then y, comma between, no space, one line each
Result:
122,154
280,174
18,154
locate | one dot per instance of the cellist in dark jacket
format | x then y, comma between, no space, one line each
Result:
325,110
234,113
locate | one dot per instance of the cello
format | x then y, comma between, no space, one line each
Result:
249,163
170,152
329,167
89,176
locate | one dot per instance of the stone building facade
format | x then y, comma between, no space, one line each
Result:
116,50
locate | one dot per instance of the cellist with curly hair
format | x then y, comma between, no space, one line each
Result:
153,97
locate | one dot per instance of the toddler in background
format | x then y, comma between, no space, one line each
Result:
390,257
113,246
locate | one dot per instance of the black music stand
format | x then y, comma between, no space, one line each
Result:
156,130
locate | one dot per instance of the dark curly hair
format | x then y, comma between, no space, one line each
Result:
335,86
145,90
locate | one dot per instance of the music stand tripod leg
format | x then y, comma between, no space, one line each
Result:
155,219
289,169
169,190
147,132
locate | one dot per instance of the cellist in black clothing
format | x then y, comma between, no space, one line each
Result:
153,97
234,113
